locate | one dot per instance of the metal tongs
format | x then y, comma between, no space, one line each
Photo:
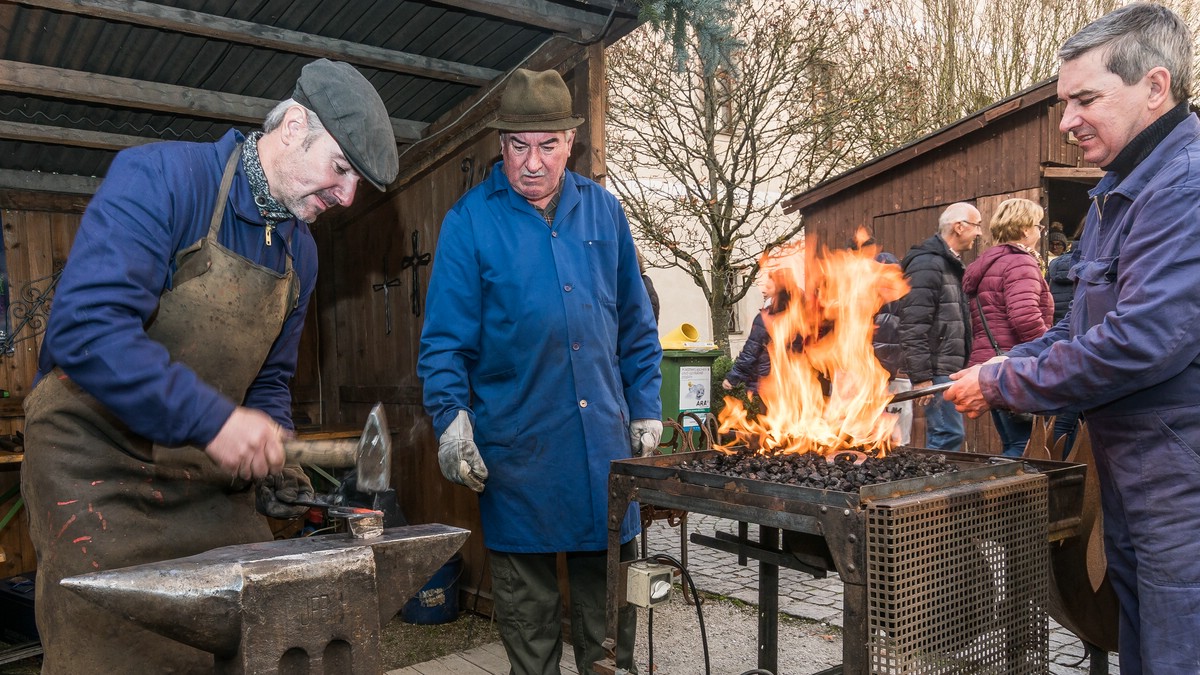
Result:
918,393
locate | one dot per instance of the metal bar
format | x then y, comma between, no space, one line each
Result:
745,548
768,604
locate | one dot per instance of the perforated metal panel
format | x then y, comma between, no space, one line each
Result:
957,579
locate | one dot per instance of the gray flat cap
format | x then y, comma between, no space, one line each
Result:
354,115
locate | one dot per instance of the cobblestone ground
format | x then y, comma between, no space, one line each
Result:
801,595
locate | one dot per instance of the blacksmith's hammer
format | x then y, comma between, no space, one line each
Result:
370,455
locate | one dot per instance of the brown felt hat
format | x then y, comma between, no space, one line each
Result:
535,101
352,112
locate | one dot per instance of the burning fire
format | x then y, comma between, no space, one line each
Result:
826,392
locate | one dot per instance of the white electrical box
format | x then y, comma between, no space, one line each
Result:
648,584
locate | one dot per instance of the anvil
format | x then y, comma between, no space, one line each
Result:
307,605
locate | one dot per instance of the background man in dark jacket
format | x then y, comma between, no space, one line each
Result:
935,320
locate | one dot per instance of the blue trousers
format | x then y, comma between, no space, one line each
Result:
1014,433
1149,473
1066,424
943,424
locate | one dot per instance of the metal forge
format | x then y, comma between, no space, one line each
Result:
944,574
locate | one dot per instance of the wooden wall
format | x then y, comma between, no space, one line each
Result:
36,243
1002,158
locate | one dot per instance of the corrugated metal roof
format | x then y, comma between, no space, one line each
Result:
453,50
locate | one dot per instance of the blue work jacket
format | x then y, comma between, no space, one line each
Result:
157,200
1129,343
545,335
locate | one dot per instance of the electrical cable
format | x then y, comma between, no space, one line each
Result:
687,577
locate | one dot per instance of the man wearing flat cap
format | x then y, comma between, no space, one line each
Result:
155,426
540,362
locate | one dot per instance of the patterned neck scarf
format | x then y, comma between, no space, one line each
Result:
272,211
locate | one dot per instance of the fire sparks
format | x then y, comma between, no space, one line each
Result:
826,391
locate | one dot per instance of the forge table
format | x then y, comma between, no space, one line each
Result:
940,573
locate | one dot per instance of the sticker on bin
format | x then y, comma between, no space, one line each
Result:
694,383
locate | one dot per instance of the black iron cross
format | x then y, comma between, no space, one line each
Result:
415,261
387,303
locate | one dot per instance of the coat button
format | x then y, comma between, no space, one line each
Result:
583,403
554,234
568,288
575,346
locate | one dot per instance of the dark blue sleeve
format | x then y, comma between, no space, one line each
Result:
450,336
638,347
747,368
118,267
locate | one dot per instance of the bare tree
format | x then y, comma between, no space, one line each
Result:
703,155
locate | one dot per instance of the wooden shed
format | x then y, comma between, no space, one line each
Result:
1010,149
81,80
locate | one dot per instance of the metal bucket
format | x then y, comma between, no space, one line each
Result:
437,601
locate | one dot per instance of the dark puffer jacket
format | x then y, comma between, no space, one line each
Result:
1062,286
934,328
886,340
1008,283
754,361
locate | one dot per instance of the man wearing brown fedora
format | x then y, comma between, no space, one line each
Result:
540,363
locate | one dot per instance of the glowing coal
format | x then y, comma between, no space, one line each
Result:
841,472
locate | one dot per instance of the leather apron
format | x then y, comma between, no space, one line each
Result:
102,497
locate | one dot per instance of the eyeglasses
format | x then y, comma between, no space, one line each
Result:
967,222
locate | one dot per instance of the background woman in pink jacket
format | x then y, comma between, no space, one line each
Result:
1009,300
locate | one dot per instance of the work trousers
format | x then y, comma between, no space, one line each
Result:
529,609
1149,468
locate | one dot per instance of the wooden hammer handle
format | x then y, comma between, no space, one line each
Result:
335,452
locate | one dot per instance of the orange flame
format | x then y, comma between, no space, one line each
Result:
826,391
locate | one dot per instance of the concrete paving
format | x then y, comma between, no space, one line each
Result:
801,595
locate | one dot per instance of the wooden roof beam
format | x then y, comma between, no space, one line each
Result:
538,13
28,78
47,182
154,15
80,138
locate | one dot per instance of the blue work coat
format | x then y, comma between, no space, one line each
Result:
544,333
157,200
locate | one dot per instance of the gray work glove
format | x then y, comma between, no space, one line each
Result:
644,436
277,494
459,457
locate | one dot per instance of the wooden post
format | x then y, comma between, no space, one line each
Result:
590,90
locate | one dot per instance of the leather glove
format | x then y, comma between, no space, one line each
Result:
644,436
458,455
277,493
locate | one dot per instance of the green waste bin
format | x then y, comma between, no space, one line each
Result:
686,388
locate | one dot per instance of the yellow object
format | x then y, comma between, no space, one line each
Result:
680,337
